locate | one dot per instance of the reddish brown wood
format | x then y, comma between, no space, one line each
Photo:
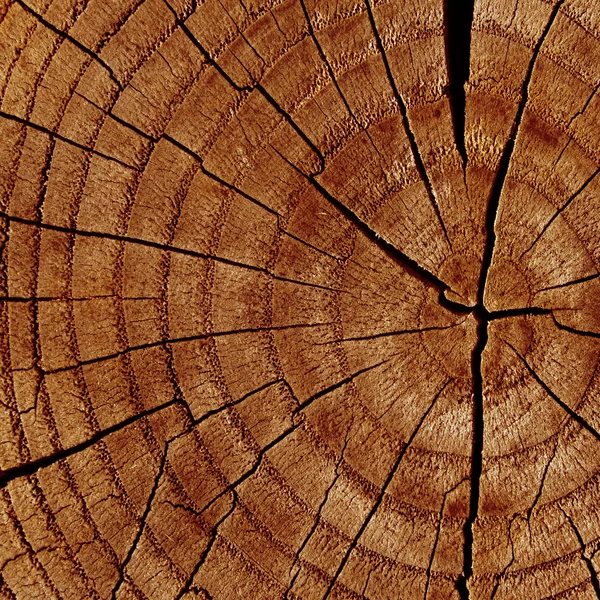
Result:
299,299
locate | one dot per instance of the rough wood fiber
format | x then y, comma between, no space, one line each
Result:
299,299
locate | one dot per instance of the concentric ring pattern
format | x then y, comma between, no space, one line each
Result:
287,311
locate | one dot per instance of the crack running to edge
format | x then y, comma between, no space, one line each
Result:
484,317
458,21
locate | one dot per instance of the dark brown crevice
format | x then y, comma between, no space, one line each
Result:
311,178
569,283
381,495
485,317
375,336
143,519
500,576
66,140
586,559
429,571
158,246
317,521
408,264
573,414
214,531
593,334
476,458
560,210
179,340
34,466
62,34
406,123
458,21
503,166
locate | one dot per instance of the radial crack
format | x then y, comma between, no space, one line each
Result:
458,20
158,246
586,559
505,159
574,415
476,458
380,497
71,39
34,466
561,209
179,340
66,140
406,123
410,265
437,536
316,522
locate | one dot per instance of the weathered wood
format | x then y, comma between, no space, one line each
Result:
299,299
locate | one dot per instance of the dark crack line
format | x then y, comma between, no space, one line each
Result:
287,432
214,532
458,20
476,458
574,415
406,123
375,336
66,140
485,317
581,332
437,536
569,283
586,559
34,466
189,338
316,523
380,498
561,209
158,246
66,36
503,166
247,89
407,263
332,75
541,487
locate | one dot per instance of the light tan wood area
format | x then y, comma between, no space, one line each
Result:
300,299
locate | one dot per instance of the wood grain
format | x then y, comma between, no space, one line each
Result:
299,299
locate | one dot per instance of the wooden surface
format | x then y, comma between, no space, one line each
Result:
299,299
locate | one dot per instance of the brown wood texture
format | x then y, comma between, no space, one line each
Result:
300,299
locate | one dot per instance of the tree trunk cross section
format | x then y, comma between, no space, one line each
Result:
299,299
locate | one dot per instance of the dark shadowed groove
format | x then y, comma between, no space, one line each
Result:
407,128
458,20
34,466
586,559
476,458
498,185
64,35
485,316
158,246
409,264
561,209
574,415
381,495
52,134
569,283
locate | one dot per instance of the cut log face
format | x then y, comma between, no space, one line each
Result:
300,299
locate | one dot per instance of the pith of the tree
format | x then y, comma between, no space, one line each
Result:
299,300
